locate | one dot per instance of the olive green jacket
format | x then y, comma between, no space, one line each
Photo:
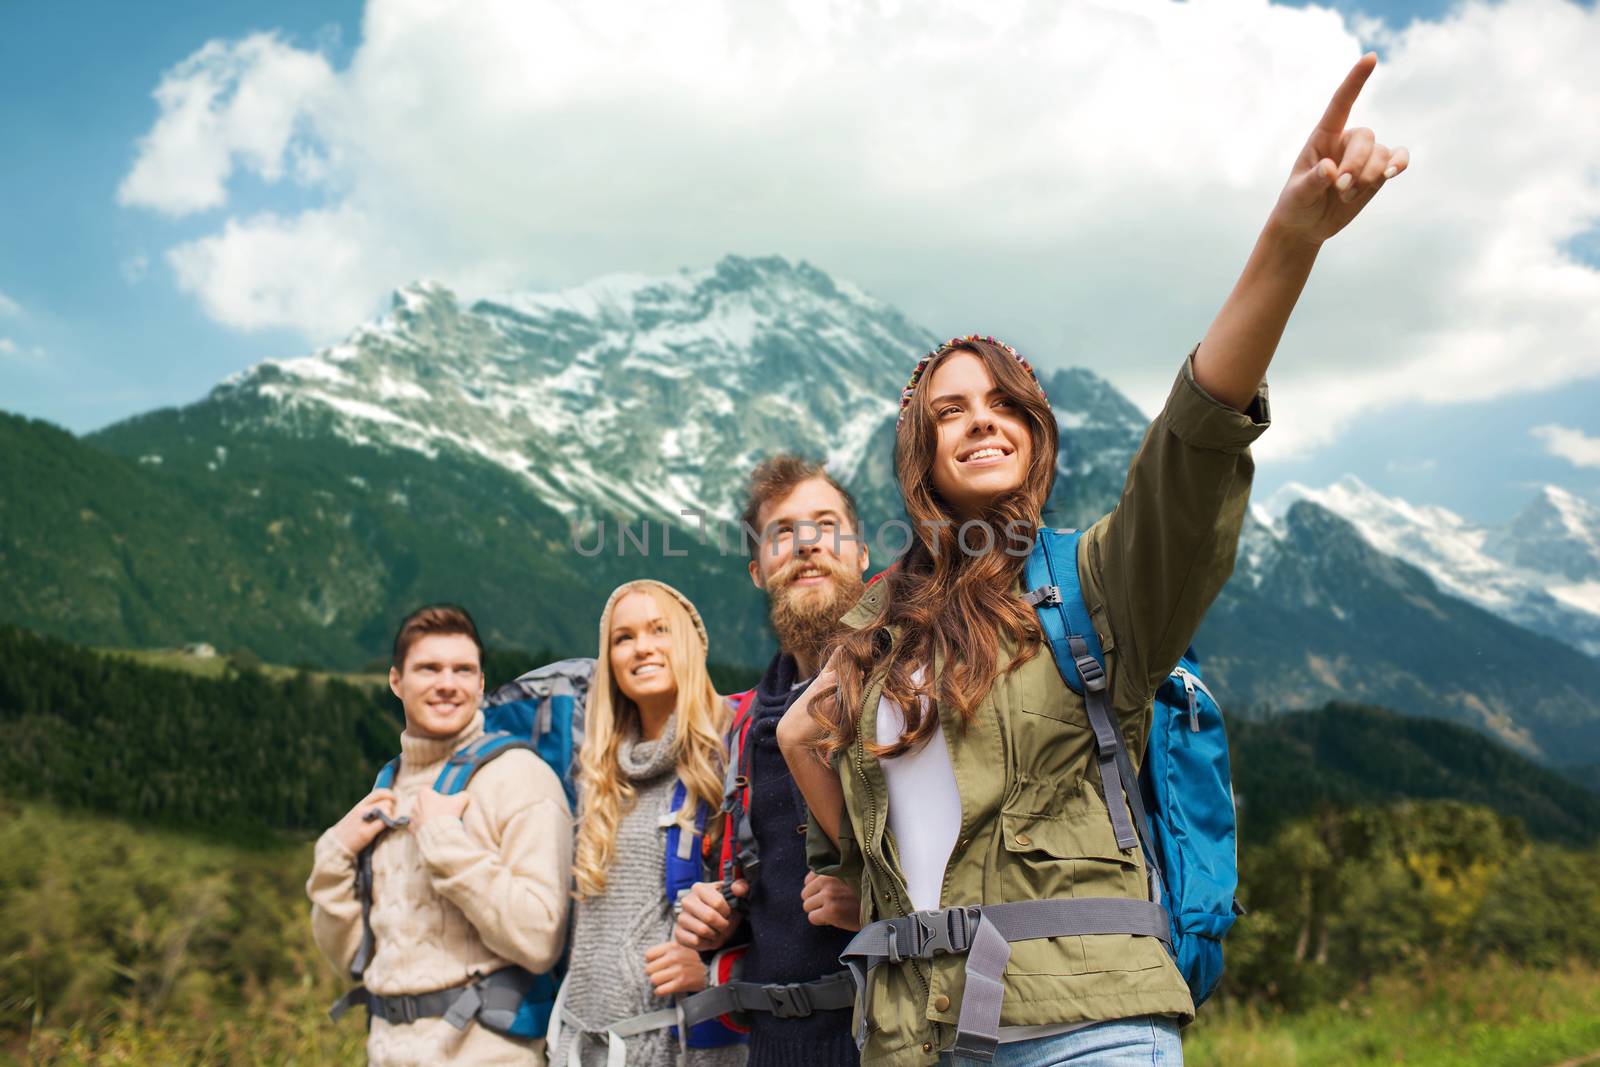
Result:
1034,823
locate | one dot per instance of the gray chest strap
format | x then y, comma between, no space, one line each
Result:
985,933
495,1000
783,1000
616,1034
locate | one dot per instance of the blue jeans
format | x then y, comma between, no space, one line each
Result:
1146,1041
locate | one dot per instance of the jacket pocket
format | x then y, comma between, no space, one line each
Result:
1067,852
1055,857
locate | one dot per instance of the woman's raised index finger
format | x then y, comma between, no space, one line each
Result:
1344,97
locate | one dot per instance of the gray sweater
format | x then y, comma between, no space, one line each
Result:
610,933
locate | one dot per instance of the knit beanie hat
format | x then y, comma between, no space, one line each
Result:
633,586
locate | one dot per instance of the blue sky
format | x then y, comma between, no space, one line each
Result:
95,325
79,90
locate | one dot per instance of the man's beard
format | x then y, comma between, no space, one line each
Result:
807,618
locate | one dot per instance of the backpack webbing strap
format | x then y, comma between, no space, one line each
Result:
458,1005
560,686
364,951
783,1000
358,966
985,934
740,854
1107,743
1118,778
617,1033
1069,629
459,768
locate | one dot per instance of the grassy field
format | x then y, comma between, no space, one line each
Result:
1391,927
1502,1016
127,945
1499,1014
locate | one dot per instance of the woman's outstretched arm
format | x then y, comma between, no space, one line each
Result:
1337,173
797,737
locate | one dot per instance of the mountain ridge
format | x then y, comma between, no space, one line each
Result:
305,504
1541,570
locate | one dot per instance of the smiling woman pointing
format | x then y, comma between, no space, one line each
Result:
942,753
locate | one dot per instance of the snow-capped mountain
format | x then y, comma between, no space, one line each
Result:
442,451
1541,571
446,450
627,396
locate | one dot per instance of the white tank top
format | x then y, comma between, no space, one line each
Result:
925,818
924,804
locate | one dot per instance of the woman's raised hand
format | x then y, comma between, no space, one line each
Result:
1339,170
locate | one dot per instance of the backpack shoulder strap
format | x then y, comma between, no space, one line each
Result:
358,966
1051,576
459,769
387,774
739,855
683,845
1056,594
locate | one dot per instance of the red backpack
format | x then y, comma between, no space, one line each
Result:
736,854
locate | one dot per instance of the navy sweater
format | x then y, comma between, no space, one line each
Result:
784,946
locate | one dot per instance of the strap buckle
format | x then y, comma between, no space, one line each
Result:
1090,671
938,931
399,1010
790,1000
1046,595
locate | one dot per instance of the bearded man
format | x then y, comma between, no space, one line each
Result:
809,558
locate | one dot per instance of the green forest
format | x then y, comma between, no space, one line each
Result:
1415,892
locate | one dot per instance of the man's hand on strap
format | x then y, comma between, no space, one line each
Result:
706,919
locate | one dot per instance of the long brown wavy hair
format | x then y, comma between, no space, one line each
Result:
604,794
948,602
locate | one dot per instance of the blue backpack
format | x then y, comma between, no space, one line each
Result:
685,866
1182,803
541,711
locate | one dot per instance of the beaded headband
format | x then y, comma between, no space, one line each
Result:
954,343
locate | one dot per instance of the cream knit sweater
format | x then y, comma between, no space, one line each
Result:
454,898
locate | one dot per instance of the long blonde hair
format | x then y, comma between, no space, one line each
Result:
604,795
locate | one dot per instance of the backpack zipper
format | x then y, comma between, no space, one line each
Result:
1190,684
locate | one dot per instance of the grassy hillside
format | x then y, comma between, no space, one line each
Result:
243,749
121,944
1289,766
1380,904
306,549
1448,940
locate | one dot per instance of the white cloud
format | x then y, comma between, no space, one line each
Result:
1083,179
9,308
321,271
228,104
8,347
1574,446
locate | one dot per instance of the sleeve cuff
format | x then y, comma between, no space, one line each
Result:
822,856
1201,420
842,861
330,852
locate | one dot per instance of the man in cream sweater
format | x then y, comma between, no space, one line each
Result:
471,883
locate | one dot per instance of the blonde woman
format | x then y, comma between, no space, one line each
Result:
653,721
